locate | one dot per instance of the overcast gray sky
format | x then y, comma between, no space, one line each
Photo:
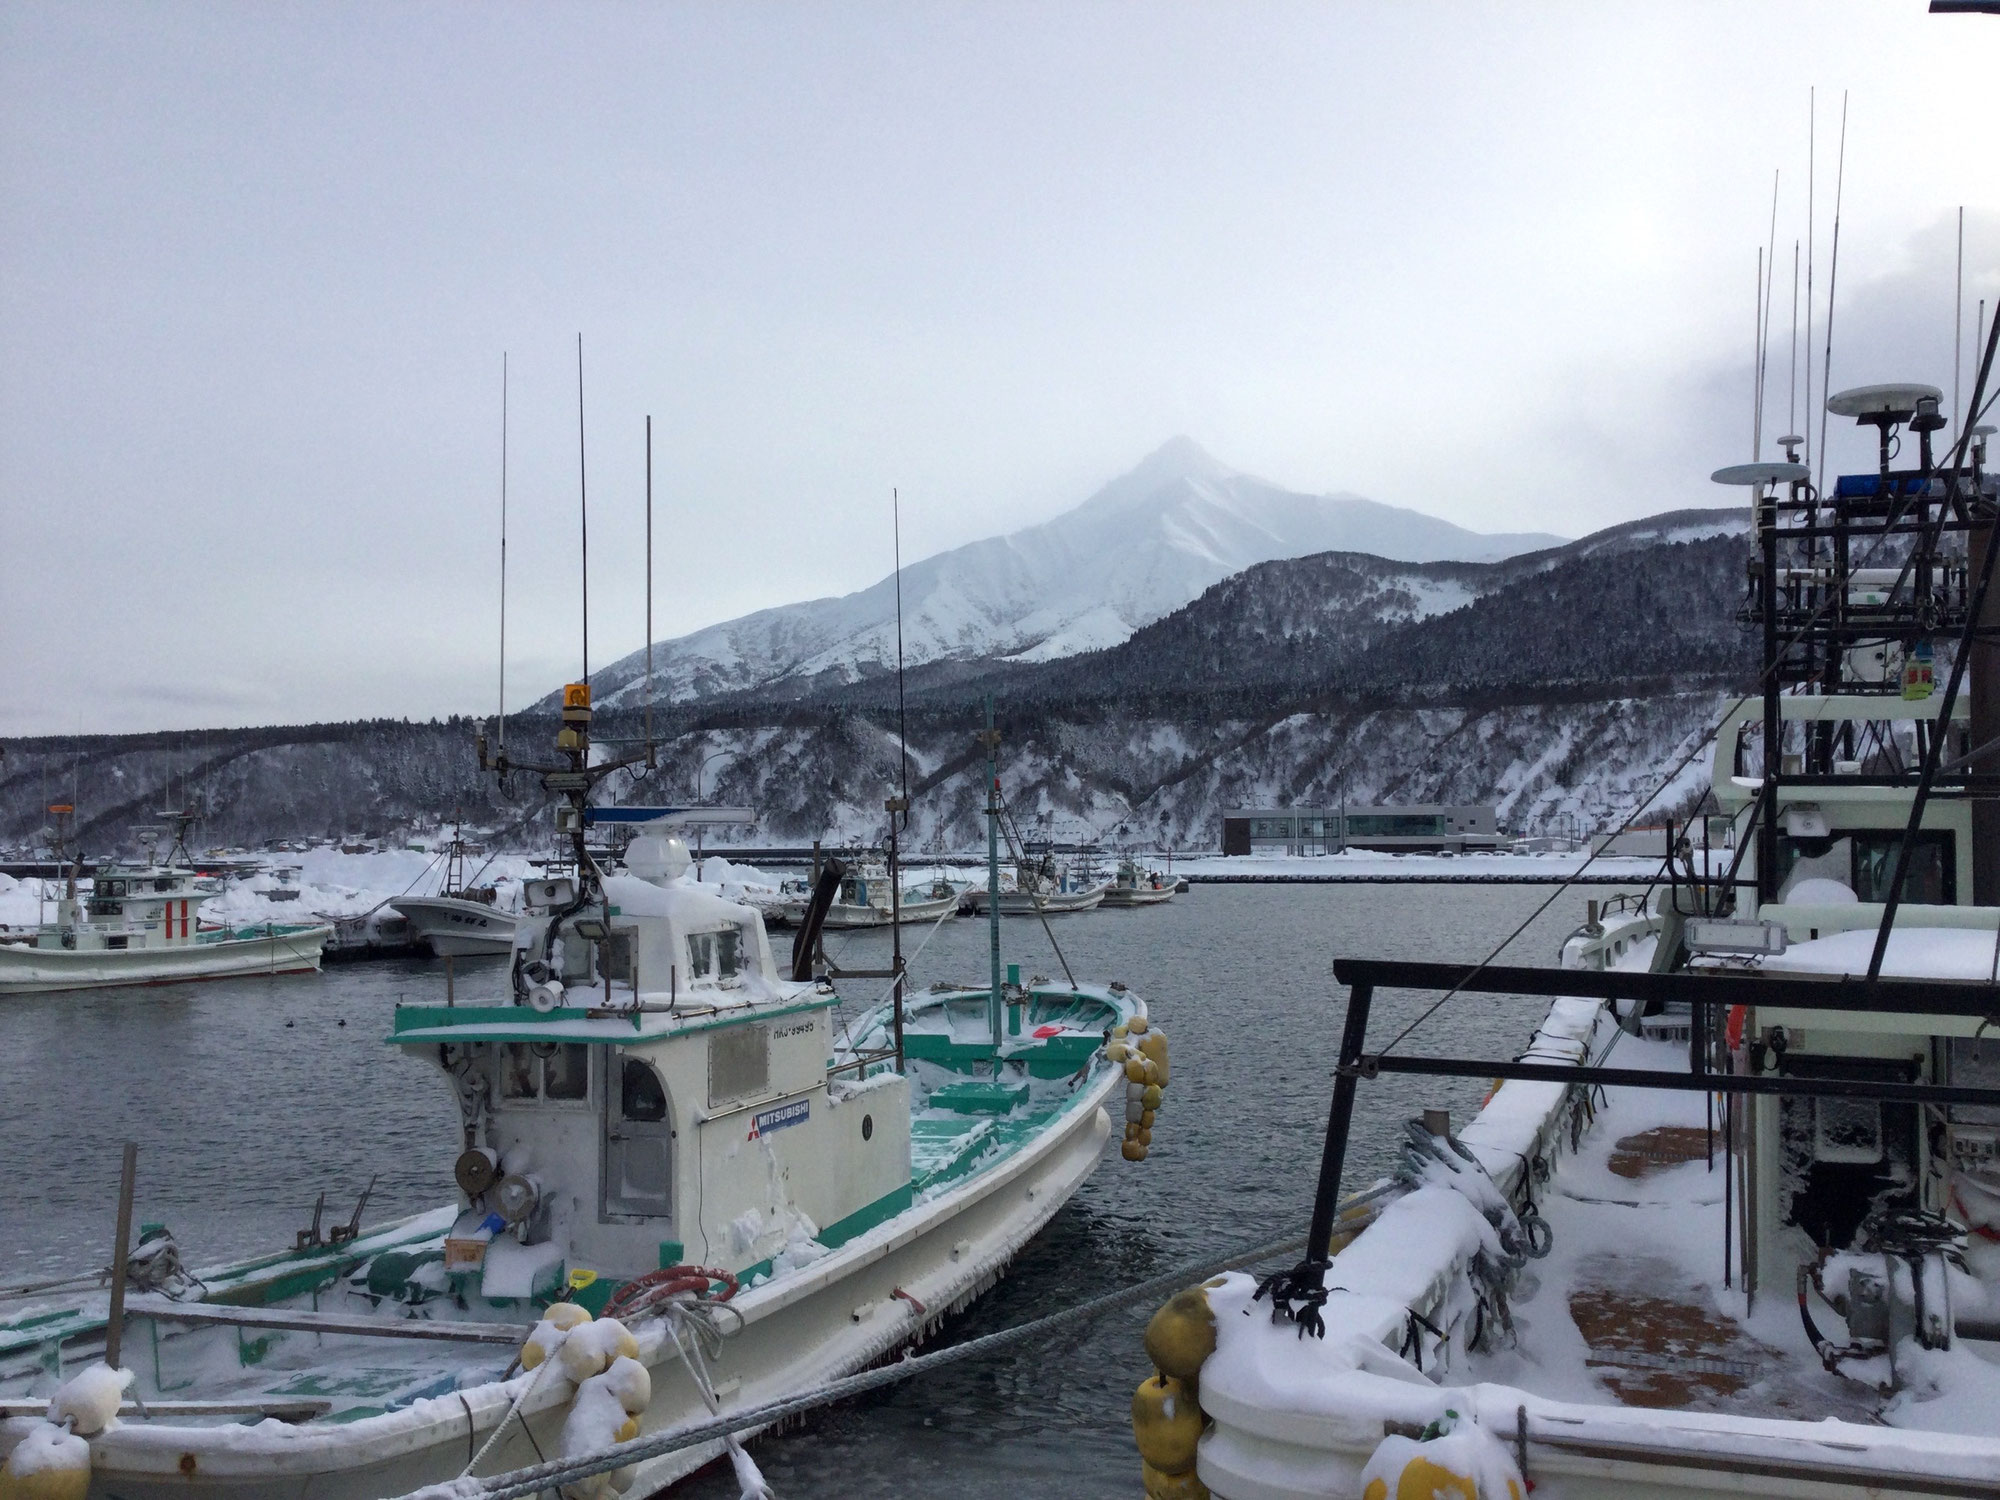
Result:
258,265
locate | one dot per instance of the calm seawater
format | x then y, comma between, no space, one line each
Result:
249,1097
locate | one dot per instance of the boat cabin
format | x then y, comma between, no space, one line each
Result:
128,906
655,1094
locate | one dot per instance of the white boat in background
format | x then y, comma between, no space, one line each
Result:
1134,885
462,919
1040,888
864,901
141,925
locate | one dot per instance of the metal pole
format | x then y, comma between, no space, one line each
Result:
1326,1198
992,737
114,1326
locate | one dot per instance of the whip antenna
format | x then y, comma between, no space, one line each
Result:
501,732
1832,280
902,723
583,508
650,762
1958,322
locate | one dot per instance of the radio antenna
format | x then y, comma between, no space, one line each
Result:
1958,322
902,724
1832,281
1792,407
650,762
1757,364
1812,182
1767,270
501,732
583,508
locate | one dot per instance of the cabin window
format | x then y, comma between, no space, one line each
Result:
520,1072
1848,1131
545,1070
114,887
739,1063
617,956
566,1072
641,1096
716,955
1932,879
105,908
116,940
164,883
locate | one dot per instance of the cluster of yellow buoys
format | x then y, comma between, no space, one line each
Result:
1140,1048
601,1358
1166,1409
52,1462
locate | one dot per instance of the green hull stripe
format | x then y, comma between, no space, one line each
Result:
853,1226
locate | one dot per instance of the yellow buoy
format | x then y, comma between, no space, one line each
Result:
1145,1136
1166,1424
1137,1025
1133,1151
1341,1238
566,1315
627,1430
1182,1334
1151,1098
1171,1486
1117,1052
47,1464
1422,1479
1145,1119
1135,1070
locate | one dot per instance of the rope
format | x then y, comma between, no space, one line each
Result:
523,1483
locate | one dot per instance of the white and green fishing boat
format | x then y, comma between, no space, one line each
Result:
660,1123
141,925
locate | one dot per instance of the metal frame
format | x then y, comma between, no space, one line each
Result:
1301,1291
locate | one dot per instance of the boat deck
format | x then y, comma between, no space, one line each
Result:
1630,1306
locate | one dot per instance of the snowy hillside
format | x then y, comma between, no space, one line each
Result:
1138,549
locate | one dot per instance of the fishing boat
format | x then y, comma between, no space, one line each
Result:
462,918
140,924
1040,887
864,901
665,1135
1134,885
1730,1222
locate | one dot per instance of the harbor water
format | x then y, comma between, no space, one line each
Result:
251,1097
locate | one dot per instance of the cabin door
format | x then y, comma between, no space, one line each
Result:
638,1142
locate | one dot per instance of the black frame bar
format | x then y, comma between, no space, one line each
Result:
1301,1291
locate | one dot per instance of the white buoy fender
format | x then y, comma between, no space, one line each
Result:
89,1399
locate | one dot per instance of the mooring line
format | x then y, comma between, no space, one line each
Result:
521,1483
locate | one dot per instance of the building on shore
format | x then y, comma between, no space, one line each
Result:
1421,827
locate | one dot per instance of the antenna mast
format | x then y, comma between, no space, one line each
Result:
1832,281
650,762
501,731
583,508
1958,323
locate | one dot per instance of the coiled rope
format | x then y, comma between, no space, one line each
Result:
522,1483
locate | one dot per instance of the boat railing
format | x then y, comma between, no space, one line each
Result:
1710,994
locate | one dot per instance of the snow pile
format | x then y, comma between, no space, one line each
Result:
1914,953
23,902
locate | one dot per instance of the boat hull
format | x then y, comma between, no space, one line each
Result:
1056,903
458,929
841,916
29,971
1138,895
843,1313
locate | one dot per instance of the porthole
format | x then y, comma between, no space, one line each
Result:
867,1127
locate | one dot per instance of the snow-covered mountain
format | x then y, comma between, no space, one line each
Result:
1140,548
